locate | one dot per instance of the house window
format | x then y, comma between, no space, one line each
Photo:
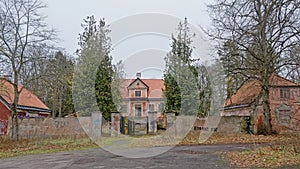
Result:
161,107
138,93
285,93
138,110
151,107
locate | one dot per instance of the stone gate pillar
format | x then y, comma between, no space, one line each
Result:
96,127
115,123
152,123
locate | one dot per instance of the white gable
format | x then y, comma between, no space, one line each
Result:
138,84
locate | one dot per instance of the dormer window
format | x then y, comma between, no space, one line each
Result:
137,93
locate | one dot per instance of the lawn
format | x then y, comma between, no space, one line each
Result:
12,148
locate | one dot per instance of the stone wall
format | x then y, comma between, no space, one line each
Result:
71,126
230,124
49,127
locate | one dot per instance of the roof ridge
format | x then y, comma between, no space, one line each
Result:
26,97
286,79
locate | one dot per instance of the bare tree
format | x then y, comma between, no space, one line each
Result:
264,32
22,29
293,71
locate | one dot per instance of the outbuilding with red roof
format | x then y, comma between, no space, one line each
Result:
29,104
284,98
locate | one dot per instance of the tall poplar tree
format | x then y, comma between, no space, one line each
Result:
95,72
180,76
103,87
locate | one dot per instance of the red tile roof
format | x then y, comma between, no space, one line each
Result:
251,89
245,95
277,80
26,98
155,87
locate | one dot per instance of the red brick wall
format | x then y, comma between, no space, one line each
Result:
4,114
276,102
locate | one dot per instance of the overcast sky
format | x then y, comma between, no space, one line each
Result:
67,15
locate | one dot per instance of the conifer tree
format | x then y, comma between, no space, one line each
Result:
180,76
95,72
103,87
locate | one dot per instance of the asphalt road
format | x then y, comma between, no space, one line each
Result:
181,157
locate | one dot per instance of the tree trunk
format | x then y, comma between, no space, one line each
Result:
267,126
60,105
15,125
53,108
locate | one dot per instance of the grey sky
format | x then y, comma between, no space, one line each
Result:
67,15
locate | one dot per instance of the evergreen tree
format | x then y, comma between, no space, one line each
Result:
95,72
85,70
180,76
118,76
58,85
103,87
205,91
172,94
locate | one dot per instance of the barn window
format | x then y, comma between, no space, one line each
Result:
285,93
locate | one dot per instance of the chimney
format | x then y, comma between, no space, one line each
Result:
138,75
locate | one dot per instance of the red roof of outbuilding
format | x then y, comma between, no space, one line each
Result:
247,93
26,98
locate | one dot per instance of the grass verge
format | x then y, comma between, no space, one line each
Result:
12,148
